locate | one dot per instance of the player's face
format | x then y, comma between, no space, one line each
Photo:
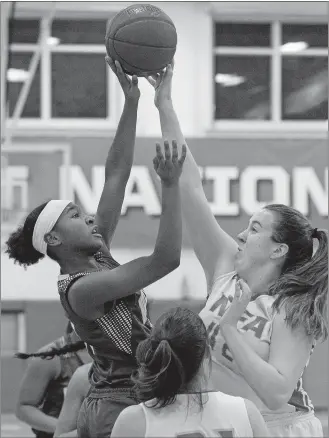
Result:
255,244
77,231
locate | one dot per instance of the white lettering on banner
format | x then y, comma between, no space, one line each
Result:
87,194
248,187
144,195
222,177
141,191
308,187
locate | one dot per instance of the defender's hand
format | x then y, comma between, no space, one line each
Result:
169,167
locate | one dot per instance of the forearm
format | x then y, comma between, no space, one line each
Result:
169,240
36,419
121,154
171,130
263,378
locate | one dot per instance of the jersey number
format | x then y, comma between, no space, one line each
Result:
222,433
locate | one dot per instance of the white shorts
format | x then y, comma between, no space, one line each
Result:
296,424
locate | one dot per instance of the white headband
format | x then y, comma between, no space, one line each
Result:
46,222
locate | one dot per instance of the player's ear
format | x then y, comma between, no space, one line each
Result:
280,251
52,238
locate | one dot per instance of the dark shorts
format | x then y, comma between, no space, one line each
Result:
100,409
40,434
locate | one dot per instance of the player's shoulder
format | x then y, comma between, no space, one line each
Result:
131,422
39,367
228,399
134,416
132,411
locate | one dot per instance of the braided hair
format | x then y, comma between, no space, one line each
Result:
54,352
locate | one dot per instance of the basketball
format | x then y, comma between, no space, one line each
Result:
142,38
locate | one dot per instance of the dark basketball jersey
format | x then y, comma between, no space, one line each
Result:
54,395
113,338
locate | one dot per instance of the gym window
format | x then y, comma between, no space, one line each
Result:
13,332
71,81
270,72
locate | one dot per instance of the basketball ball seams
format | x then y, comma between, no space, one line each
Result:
140,21
144,45
134,20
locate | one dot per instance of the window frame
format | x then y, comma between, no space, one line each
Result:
46,122
20,317
276,123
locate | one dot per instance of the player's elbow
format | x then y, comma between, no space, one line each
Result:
20,411
164,263
173,264
170,264
276,401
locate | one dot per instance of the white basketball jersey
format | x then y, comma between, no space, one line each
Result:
222,416
255,325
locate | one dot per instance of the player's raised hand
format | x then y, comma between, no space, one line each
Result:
161,82
169,167
239,304
129,86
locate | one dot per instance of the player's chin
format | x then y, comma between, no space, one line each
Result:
98,243
94,245
239,268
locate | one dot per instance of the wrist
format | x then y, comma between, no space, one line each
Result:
131,101
165,105
169,184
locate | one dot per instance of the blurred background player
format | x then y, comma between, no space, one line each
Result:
172,382
43,388
76,392
260,348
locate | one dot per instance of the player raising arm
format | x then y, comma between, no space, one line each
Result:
104,300
214,248
262,344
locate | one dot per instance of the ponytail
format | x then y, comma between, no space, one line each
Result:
160,375
303,292
51,353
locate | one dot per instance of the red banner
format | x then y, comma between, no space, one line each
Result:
239,177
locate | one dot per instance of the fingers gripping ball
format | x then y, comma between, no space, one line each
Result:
142,38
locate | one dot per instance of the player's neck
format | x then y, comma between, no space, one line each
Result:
260,279
78,263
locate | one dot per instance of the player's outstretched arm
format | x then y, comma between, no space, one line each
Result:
120,157
76,392
256,420
214,248
88,294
